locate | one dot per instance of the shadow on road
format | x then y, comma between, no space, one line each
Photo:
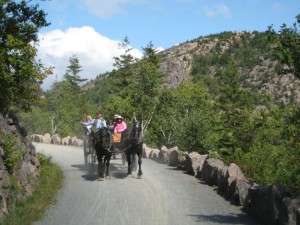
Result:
117,170
172,168
225,219
90,177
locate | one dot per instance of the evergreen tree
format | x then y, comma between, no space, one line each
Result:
231,108
72,74
124,68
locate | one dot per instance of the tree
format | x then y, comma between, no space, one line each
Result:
73,80
233,109
65,105
186,118
124,68
120,81
20,73
66,100
145,86
287,46
72,74
287,51
136,84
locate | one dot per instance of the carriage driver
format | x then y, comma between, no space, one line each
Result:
96,123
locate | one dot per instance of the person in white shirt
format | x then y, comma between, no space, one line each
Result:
96,123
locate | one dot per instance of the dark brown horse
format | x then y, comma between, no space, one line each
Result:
132,146
102,142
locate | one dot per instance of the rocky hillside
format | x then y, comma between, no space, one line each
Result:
177,63
251,52
18,164
205,57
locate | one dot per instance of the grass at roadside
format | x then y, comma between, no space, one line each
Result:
33,208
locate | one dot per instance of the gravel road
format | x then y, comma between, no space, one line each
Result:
164,196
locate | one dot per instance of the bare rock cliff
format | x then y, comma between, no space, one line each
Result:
18,164
177,64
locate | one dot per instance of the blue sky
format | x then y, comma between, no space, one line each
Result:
91,29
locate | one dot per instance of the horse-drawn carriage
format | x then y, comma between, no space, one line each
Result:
89,153
101,145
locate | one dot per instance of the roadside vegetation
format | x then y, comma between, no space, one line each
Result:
33,208
224,111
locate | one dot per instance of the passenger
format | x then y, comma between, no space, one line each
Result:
87,128
96,123
119,124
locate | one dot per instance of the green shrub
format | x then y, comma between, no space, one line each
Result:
50,182
12,155
197,133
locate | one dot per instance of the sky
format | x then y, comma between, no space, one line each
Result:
92,29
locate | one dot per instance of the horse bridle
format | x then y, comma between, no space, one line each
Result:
133,136
103,134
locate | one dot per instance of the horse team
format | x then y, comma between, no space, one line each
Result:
130,147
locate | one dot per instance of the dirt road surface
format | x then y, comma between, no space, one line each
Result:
164,196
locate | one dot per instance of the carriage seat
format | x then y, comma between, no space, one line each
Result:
118,139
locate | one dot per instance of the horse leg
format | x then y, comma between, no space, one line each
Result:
107,163
101,169
129,163
140,173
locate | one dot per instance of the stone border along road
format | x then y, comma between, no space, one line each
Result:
164,195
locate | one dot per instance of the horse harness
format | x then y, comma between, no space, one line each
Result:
132,136
101,134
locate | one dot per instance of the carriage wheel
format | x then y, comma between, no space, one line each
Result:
85,152
91,163
123,159
92,160
89,156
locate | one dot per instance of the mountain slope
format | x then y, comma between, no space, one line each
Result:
250,52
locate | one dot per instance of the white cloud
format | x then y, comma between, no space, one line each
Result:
218,10
94,51
159,49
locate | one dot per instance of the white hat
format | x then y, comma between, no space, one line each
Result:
118,116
